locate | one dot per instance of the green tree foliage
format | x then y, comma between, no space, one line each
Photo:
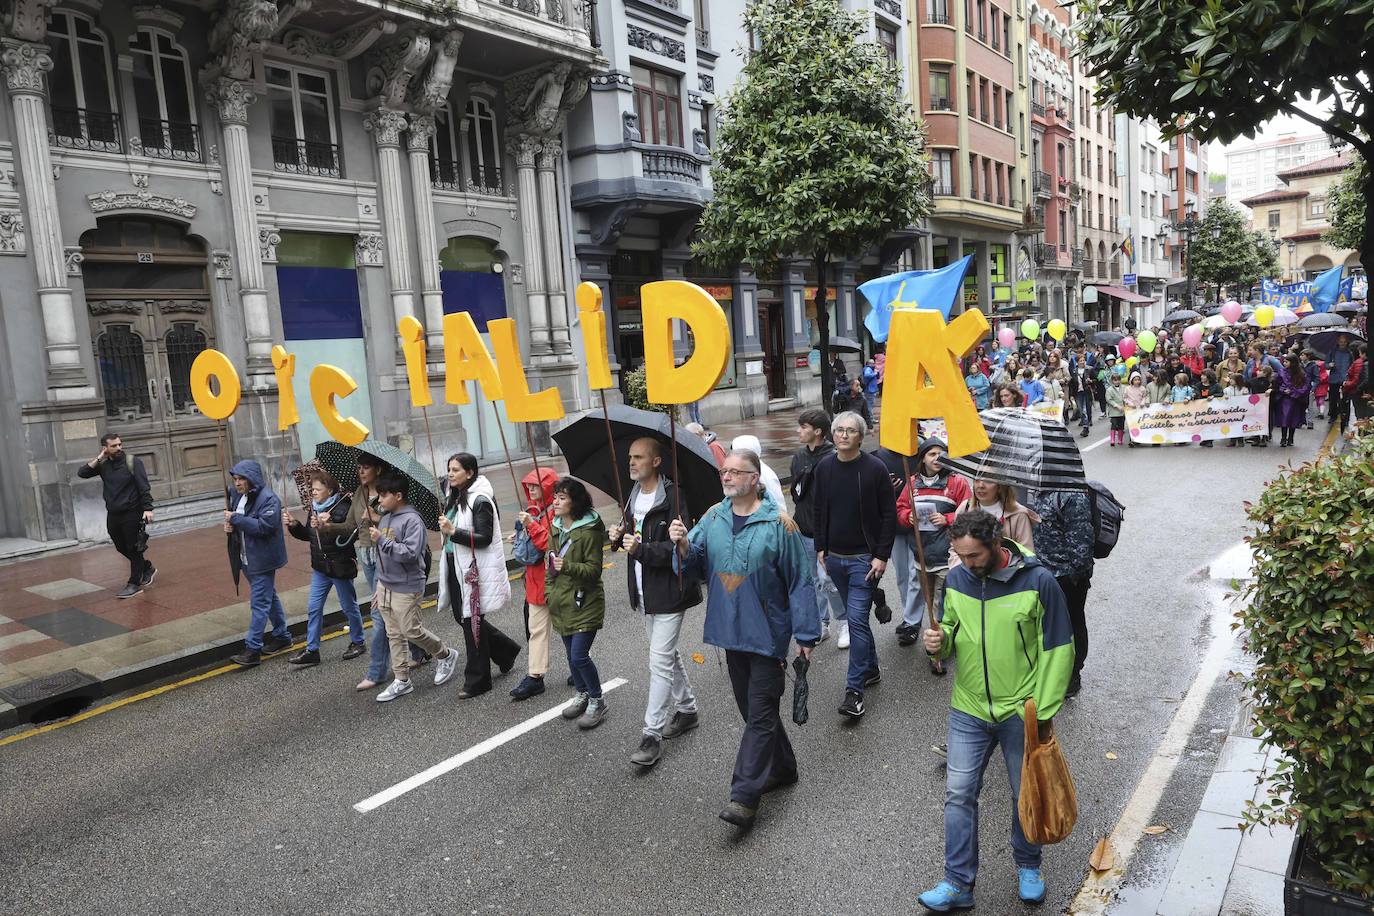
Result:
1219,69
1223,251
818,154
1345,206
1266,258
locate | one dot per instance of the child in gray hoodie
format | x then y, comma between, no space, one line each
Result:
400,538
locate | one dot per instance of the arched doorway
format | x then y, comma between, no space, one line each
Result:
148,295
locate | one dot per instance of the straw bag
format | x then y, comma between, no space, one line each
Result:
1048,806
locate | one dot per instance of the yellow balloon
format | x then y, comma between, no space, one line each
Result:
1056,328
214,364
284,365
922,380
521,405
327,383
1264,316
660,303
594,335
1030,329
466,359
1132,362
413,346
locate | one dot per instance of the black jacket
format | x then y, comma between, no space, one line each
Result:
125,484
877,504
331,545
662,592
804,461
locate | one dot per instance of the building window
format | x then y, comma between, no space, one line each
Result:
658,102
937,11
939,89
162,82
84,114
304,139
1316,207
1021,130
483,158
996,29
1274,219
1063,165
1173,179
983,101
445,162
1063,230
973,176
980,19
1006,34
1001,186
887,38
942,170
987,179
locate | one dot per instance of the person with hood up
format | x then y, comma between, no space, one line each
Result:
710,439
813,432
1003,607
576,595
871,380
333,564
258,539
979,387
1136,396
401,543
771,483
535,521
1116,410
471,527
926,507
759,598
658,593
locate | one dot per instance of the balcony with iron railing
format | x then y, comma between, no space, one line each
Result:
1044,253
943,187
1076,258
1042,183
934,17
177,140
83,129
452,175
306,157
1037,109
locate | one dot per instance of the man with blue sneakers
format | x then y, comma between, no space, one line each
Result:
1003,608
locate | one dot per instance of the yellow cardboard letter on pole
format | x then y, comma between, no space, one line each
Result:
521,406
466,360
413,346
214,364
284,364
327,383
922,380
663,301
594,335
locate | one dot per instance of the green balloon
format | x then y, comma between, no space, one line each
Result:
1147,341
1030,328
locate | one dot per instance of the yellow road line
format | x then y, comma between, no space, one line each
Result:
1324,452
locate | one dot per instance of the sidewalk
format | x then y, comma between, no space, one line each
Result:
58,612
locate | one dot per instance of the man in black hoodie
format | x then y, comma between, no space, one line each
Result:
813,431
128,507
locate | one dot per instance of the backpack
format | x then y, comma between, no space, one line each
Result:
1107,514
523,548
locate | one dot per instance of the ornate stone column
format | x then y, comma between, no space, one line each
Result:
524,148
232,99
426,236
24,64
386,125
550,152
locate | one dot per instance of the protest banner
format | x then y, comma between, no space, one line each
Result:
1200,421
1052,409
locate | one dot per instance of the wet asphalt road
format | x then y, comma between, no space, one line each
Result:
235,794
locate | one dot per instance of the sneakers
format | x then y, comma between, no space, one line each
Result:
842,640
872,677
272,645
1075,685
680,723
305,657
595,714
444,667
946,896
853,705
130,591
354,650
1030,884
397,688
577,707
150,571
906,634
248,658
650,751
530,687
825,632
740,815
940,750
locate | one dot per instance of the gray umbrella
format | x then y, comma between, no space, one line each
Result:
1108,338
1183,315
1028,450
1322,320
845,344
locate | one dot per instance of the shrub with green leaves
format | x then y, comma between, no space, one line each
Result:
1310,625
637,394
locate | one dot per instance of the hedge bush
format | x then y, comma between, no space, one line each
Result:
637,394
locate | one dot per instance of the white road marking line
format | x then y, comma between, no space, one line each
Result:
471,754
1083,451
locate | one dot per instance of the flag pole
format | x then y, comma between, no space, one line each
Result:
615,465
677,480
920,551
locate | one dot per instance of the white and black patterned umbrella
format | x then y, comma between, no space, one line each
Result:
1028,449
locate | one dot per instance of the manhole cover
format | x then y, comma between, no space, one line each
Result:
70,688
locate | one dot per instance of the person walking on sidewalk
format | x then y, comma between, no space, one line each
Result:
813,431
856,523
576,594
401,540
658,593
759,598
471,527
1004,607
1064,537
535,521
333,565
260,542
128,507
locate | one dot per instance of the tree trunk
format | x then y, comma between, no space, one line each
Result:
1367,243
823,328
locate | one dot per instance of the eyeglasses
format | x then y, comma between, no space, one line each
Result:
845,431
735,472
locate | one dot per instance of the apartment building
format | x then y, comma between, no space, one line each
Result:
1295,218
1054,153
1253,168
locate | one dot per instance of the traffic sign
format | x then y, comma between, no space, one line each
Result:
1128,280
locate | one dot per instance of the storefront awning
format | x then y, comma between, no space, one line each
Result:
1125,295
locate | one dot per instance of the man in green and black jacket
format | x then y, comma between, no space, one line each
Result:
1006,619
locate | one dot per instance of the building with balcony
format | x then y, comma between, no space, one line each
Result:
1142,163
234,175
1100,224
971,89
1294,217
1054,153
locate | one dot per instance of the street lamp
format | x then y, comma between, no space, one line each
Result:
1189,226
1292,246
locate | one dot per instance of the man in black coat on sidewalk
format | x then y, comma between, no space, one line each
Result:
128,507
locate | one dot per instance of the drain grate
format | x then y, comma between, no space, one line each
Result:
53,696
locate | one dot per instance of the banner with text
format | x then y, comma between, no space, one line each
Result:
1200,421
1297,296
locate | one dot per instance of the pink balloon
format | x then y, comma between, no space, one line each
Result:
1007,338
1192,336
1231,312
1126,348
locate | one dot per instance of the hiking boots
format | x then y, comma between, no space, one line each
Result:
595,714
680,723
649,753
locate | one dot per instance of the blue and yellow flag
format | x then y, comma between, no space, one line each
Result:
916,289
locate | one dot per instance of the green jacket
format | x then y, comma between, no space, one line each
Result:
1013,637
576,597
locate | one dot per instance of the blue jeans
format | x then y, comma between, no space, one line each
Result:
914,609
903,558
265,606
694,411
320,584
971,743
379,654
871,397
827,596
1085,408
585,677
850,575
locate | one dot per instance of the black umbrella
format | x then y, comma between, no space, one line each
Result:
1182,315
800,690
1108,338
1028,450
1085,326
1349,308
845,343
341,461
582,440
1322,320
1325,341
